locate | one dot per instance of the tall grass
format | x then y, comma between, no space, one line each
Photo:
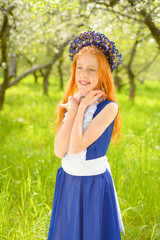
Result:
28,165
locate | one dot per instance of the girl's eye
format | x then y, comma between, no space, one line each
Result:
79,67
92,70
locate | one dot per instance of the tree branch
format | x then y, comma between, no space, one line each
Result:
39,67
149,63
151,25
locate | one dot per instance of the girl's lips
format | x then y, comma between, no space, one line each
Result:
84,82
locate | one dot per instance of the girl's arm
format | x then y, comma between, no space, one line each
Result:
61,142
79,140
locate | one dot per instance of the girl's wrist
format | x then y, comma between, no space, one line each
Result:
73,110
82,106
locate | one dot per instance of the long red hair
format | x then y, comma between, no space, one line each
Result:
105,82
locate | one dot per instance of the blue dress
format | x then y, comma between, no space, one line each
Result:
84,207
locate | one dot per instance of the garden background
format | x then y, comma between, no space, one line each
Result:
34,70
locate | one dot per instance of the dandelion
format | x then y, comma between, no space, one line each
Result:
21,120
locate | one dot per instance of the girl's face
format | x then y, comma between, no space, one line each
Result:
86,75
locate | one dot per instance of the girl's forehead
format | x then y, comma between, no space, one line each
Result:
88,59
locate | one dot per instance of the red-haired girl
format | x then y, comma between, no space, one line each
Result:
85,204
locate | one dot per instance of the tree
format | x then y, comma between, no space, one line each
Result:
142,19
141,11
27,33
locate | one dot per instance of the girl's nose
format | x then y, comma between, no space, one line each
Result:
84,73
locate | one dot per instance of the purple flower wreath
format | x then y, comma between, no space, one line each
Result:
92,38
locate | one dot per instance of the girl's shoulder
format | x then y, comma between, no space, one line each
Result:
101,105
104,102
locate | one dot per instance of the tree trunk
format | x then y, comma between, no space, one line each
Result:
4,38
12,70
45,86
45,80
117,82
35,77
2,97
132,84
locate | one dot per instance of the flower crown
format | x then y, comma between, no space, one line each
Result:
92,38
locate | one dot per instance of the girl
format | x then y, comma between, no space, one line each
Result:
85,205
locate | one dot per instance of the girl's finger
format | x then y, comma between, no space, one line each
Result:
62,104
97,96
96,92
100,93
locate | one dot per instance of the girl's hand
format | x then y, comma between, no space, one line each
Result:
91,97
71,104
78,95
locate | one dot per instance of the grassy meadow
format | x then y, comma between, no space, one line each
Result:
28,165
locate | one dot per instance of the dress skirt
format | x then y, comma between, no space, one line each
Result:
84,208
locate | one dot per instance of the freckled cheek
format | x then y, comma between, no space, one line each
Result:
94,81
76,75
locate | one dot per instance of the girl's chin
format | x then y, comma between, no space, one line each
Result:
83,92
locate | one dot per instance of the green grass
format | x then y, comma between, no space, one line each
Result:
28,165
